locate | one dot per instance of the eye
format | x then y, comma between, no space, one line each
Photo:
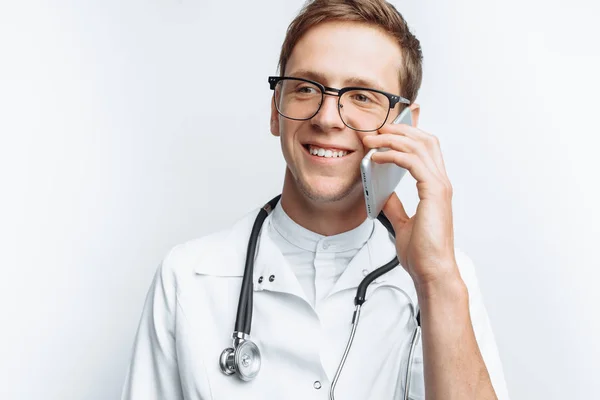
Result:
305,89
360,97
366,98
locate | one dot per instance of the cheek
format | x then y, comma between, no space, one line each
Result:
362,135
289,131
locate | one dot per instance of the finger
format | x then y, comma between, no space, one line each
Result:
431,142
427,182
403,144
395,212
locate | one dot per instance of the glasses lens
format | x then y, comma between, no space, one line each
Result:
297,99
364,110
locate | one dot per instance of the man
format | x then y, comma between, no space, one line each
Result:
318,244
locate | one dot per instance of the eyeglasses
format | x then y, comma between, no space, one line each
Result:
361,109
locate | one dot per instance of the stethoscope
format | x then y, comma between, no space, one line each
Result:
244,360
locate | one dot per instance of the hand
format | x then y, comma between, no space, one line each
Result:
425,241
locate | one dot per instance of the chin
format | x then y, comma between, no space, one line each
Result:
327,190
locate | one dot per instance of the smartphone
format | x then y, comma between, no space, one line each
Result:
380,180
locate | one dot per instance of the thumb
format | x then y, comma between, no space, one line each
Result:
395,212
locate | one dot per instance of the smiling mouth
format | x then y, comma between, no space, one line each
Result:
325,152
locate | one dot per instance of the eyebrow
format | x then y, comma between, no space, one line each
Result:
353,81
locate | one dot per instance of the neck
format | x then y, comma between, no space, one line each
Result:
323,217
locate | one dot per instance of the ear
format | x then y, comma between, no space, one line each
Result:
415,110
274,119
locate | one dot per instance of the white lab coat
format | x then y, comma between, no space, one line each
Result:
190,310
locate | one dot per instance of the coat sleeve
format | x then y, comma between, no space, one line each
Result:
482,327
153,370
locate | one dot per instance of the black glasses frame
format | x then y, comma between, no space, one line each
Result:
392,98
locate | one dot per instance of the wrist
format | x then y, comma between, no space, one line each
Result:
447,285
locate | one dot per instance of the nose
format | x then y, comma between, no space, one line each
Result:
328,116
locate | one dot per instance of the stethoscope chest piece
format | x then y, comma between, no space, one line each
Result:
243,360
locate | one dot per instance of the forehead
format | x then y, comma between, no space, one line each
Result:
344,52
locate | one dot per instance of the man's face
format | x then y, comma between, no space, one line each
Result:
334,54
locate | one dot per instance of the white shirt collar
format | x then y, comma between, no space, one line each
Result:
309,240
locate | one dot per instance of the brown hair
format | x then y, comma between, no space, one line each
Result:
378,13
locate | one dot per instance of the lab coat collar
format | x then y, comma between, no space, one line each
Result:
224,253
271,270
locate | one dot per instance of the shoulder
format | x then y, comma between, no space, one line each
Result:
465,263
477,307
467,271
220,253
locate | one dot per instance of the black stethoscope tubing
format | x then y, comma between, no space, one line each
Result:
243,322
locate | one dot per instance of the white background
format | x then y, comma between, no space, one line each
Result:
130,126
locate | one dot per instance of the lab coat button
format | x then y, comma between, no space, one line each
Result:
271,278
325,246
317,385
365,272
260,279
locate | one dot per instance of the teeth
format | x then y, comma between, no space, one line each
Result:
317,151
